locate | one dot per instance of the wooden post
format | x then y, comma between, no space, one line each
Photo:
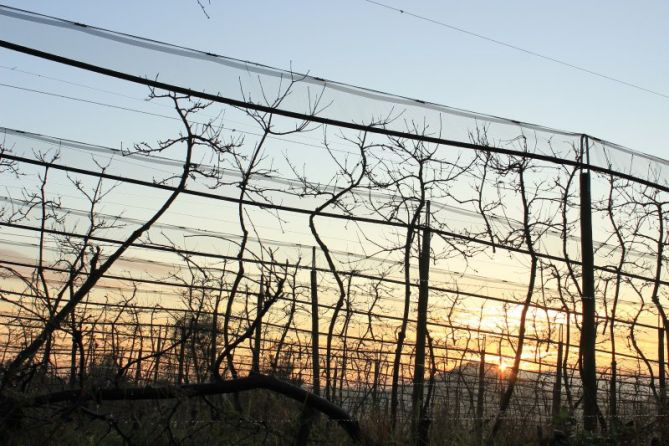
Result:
73,354
308,416
418,419
159,347
180,372
255,363
73,363
589,330
480,397
138,366
661,366
662,409
557,385
82,355
613,396
315,365
375,385
334,384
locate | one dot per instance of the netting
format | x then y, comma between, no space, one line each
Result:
247,84
287,221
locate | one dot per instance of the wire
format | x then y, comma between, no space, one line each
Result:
287,181
164,248
172,118
88,101
146,101
522,50
16,69
305,211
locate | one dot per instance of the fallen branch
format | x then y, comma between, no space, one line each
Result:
255,381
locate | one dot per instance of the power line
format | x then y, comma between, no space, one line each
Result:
521,49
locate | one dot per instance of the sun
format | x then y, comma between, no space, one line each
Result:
502,367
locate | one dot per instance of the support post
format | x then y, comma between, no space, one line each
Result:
557,385
180,372
662,406
588,331
418,420
309,416
480,397
315,349
661,366
255,364
613,397
375,386
159,345
73,354
138,365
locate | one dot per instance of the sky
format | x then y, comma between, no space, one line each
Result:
358,42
